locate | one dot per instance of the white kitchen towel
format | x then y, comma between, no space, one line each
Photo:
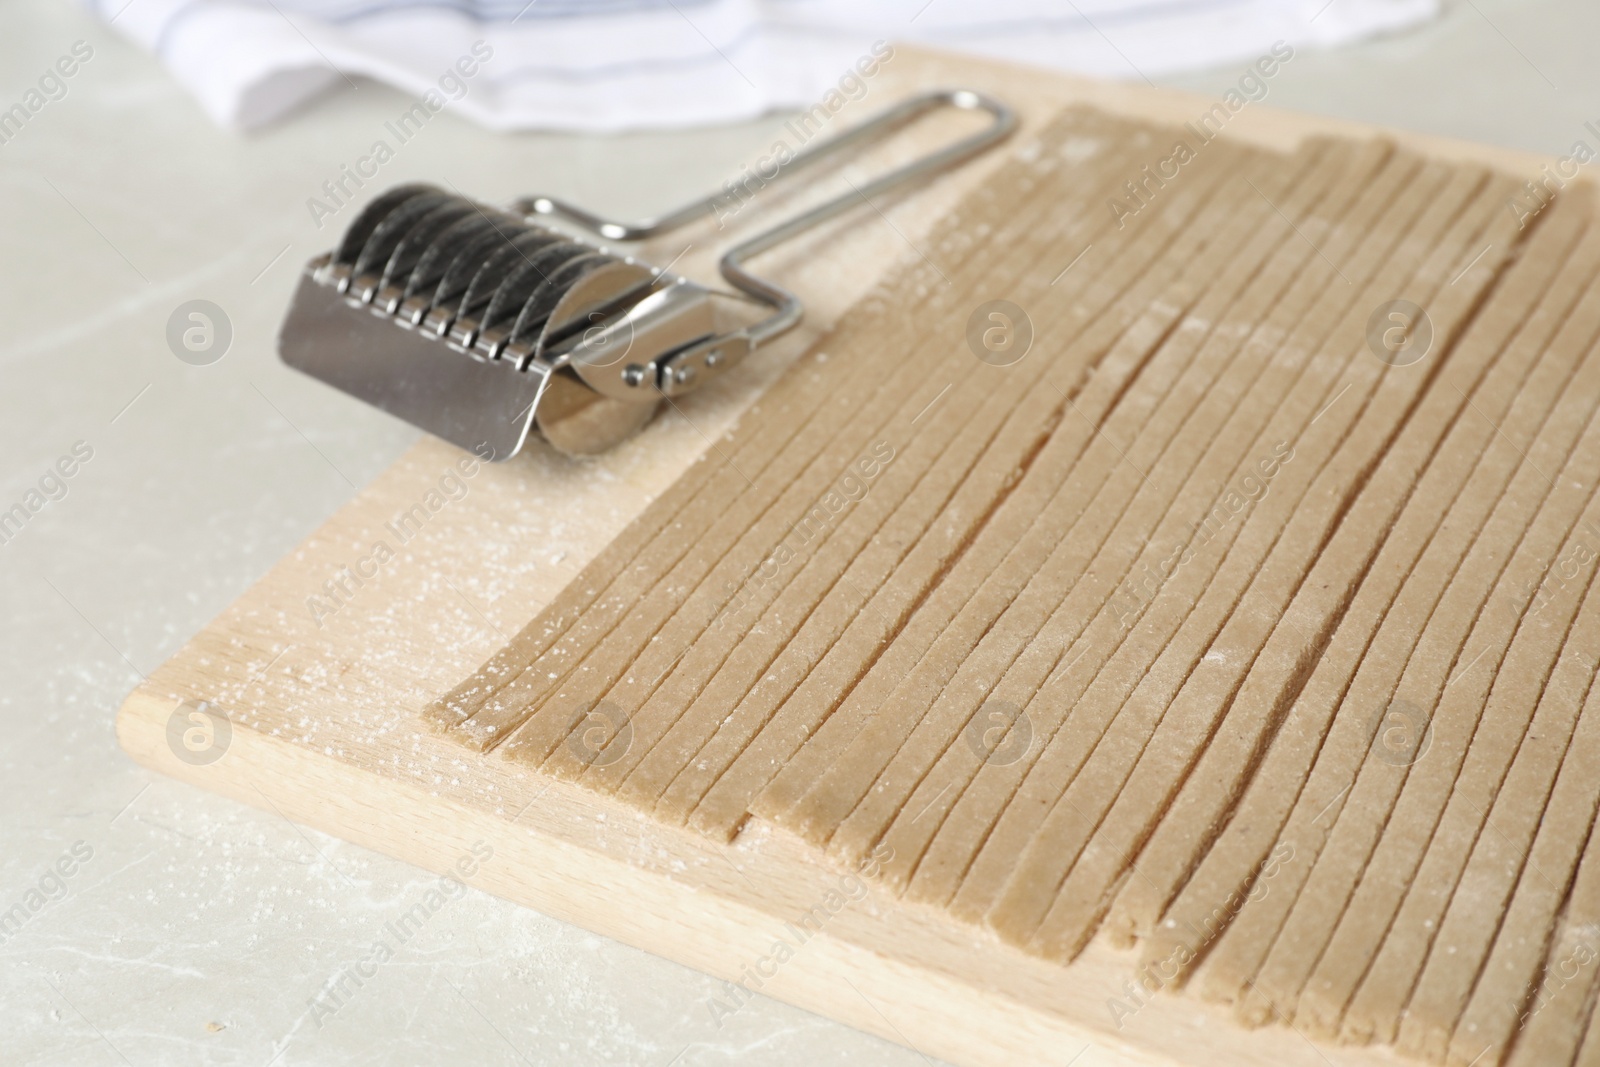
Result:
616,64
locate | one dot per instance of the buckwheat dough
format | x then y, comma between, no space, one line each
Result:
481,711
1226,370
1190,719
934,458
648,641
1557,1012
1482,595
1589,1054
1291,371
720,664
1208,339
1307,746
832,796
845,418
1506,340
737,762
618,570
657,649
864,700
1498,842
1500,999
819,695
622,574
1299,631
1087,599
1189,560
1029,908
857,834
1404,933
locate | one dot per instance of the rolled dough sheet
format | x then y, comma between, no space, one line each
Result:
1096,633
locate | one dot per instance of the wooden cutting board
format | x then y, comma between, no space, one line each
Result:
305,695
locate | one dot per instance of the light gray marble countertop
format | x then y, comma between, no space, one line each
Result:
192,929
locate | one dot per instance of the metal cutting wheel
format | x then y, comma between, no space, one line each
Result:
478,323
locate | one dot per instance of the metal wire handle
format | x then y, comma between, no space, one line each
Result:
787,307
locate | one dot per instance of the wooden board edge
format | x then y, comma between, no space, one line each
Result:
687,924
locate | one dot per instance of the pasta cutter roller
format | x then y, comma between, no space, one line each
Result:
479,324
